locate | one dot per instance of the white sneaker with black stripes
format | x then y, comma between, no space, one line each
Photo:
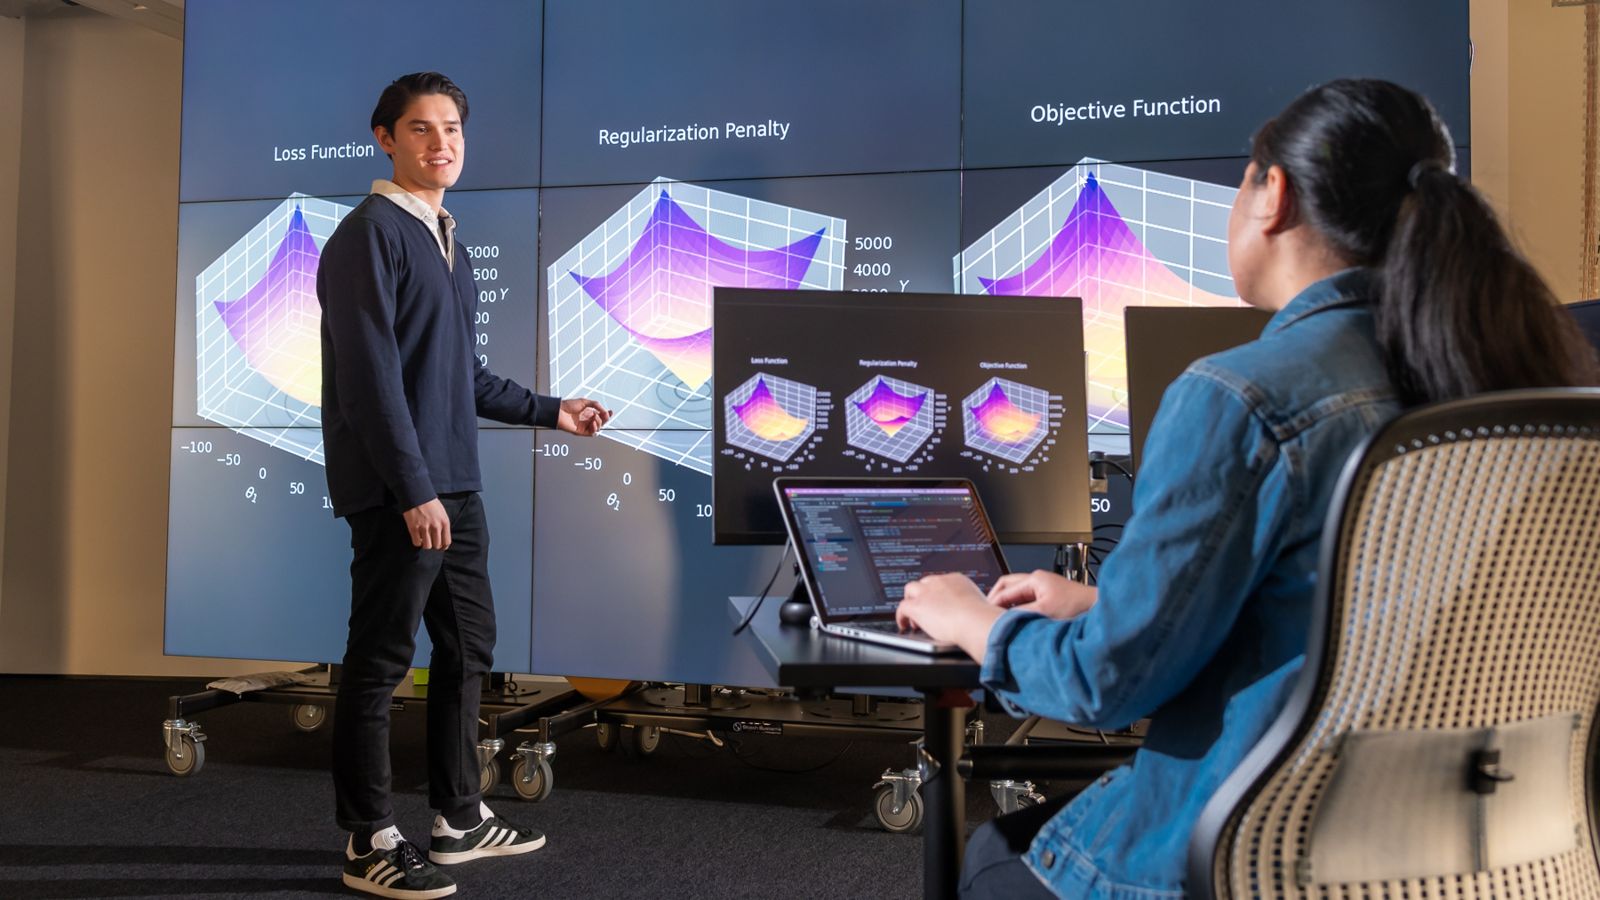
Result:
493,836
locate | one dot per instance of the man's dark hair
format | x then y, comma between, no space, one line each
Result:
399,94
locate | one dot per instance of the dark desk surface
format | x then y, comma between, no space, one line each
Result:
802,657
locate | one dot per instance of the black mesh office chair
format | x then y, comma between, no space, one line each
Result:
1442,741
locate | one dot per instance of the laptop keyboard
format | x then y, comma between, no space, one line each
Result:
887,627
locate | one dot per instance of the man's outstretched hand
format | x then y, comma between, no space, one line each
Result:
582,417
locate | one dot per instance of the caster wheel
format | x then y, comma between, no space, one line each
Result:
907,820
1026,800
489,776
643,740
308,717
605,734
189,760
532,779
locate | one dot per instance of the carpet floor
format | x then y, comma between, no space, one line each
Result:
88,809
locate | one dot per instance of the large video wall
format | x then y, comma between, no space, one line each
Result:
623,158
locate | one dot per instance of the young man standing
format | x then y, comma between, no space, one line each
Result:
402,389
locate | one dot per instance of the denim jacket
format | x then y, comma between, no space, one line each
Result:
1204,605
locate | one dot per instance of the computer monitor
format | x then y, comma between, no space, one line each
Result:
839,383
1588,315
1163,340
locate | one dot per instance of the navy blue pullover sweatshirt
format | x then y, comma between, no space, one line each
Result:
402,387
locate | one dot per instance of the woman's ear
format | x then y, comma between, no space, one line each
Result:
1275,206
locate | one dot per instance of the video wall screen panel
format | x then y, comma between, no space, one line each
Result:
277,97
630,272
248,345
626,582
623,159
1046,82
1117,235
713,89
258,567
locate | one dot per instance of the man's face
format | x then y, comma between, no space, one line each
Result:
428,145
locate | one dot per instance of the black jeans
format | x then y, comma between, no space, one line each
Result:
394,586
993,867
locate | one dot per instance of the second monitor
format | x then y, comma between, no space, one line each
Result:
1161,343
836,383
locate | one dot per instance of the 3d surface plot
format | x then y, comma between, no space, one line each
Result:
630,305
258,346
770,416
1005,419
889,417
276,322
1115,236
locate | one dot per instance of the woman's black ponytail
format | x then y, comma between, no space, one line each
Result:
1461,311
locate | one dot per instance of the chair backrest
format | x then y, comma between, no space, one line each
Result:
1455,642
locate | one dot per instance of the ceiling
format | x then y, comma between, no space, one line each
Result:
165,16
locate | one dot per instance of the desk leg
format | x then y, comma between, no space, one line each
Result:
945,830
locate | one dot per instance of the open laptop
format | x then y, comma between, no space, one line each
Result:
860,540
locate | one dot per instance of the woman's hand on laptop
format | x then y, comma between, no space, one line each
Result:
949,608
1043,592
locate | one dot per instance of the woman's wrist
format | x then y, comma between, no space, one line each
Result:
975,635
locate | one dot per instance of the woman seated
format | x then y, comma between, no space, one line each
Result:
1391,284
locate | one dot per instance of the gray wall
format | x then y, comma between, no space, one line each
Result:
12,32
90,374
1527,129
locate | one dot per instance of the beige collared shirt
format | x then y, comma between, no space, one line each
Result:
441,223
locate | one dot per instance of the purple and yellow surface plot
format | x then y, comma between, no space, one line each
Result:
770,416
1006,420
630,306
1115,236
258,350
889,418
